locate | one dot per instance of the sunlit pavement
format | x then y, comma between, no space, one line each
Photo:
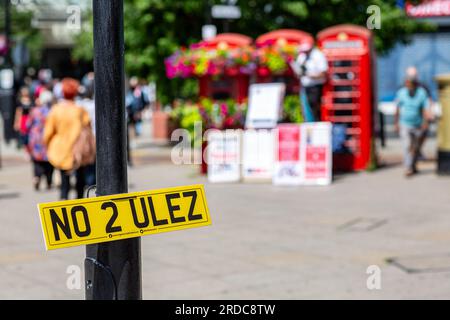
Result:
265,242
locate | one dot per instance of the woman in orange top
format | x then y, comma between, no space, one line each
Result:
62,128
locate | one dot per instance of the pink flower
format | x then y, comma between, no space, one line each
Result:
223,109
212,69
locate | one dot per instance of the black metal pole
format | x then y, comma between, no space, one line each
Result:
226,25
7,107
8,31
382,132
208,11
113,269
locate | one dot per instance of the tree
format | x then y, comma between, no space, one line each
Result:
315,15
154,29
21,30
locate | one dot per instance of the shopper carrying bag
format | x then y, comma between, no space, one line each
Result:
68,137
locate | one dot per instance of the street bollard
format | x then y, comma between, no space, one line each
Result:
443,156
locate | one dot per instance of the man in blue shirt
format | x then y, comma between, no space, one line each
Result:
412,73
410,120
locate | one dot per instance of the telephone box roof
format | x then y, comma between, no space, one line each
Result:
346,28
292,36
233,40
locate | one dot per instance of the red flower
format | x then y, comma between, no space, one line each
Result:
263,71
228,122
232,71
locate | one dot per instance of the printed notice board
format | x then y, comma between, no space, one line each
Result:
316,152
257,154
224,156
264,105
288,164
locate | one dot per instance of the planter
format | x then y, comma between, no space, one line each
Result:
160,123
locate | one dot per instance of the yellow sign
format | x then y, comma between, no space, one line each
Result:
121,216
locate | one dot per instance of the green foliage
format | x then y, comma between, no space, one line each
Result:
154,29
21,30
186,116
296,8
189,118
211,114
315,15
292,112
276,63
188,89
84,42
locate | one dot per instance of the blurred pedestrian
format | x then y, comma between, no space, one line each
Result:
36,146
57,90
88,80
311,66
44,82
66,140
87,102
136,101
24,105
411,121
412,73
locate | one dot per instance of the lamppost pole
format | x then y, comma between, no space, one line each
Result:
113,269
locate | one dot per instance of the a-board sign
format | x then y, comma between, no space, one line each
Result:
288,164
316,152
264,105
121,216
257,155
224,156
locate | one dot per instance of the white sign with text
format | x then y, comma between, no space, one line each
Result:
223,156
257,154
264,105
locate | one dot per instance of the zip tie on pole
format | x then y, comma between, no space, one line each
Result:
88,189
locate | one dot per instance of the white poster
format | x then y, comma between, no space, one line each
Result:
224,156
316,152
257,154
288,164
264,105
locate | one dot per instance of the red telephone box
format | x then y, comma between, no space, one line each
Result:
232,83
349,94
280,41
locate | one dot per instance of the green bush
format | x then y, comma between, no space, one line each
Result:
292,111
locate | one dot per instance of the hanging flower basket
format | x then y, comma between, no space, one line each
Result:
199,61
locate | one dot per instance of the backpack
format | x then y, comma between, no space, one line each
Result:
84,148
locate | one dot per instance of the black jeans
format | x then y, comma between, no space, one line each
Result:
314,94
43,168
79,185
89,175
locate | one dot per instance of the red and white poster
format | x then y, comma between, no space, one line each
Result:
287,170
316,152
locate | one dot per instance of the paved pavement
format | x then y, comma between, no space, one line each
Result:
266,242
